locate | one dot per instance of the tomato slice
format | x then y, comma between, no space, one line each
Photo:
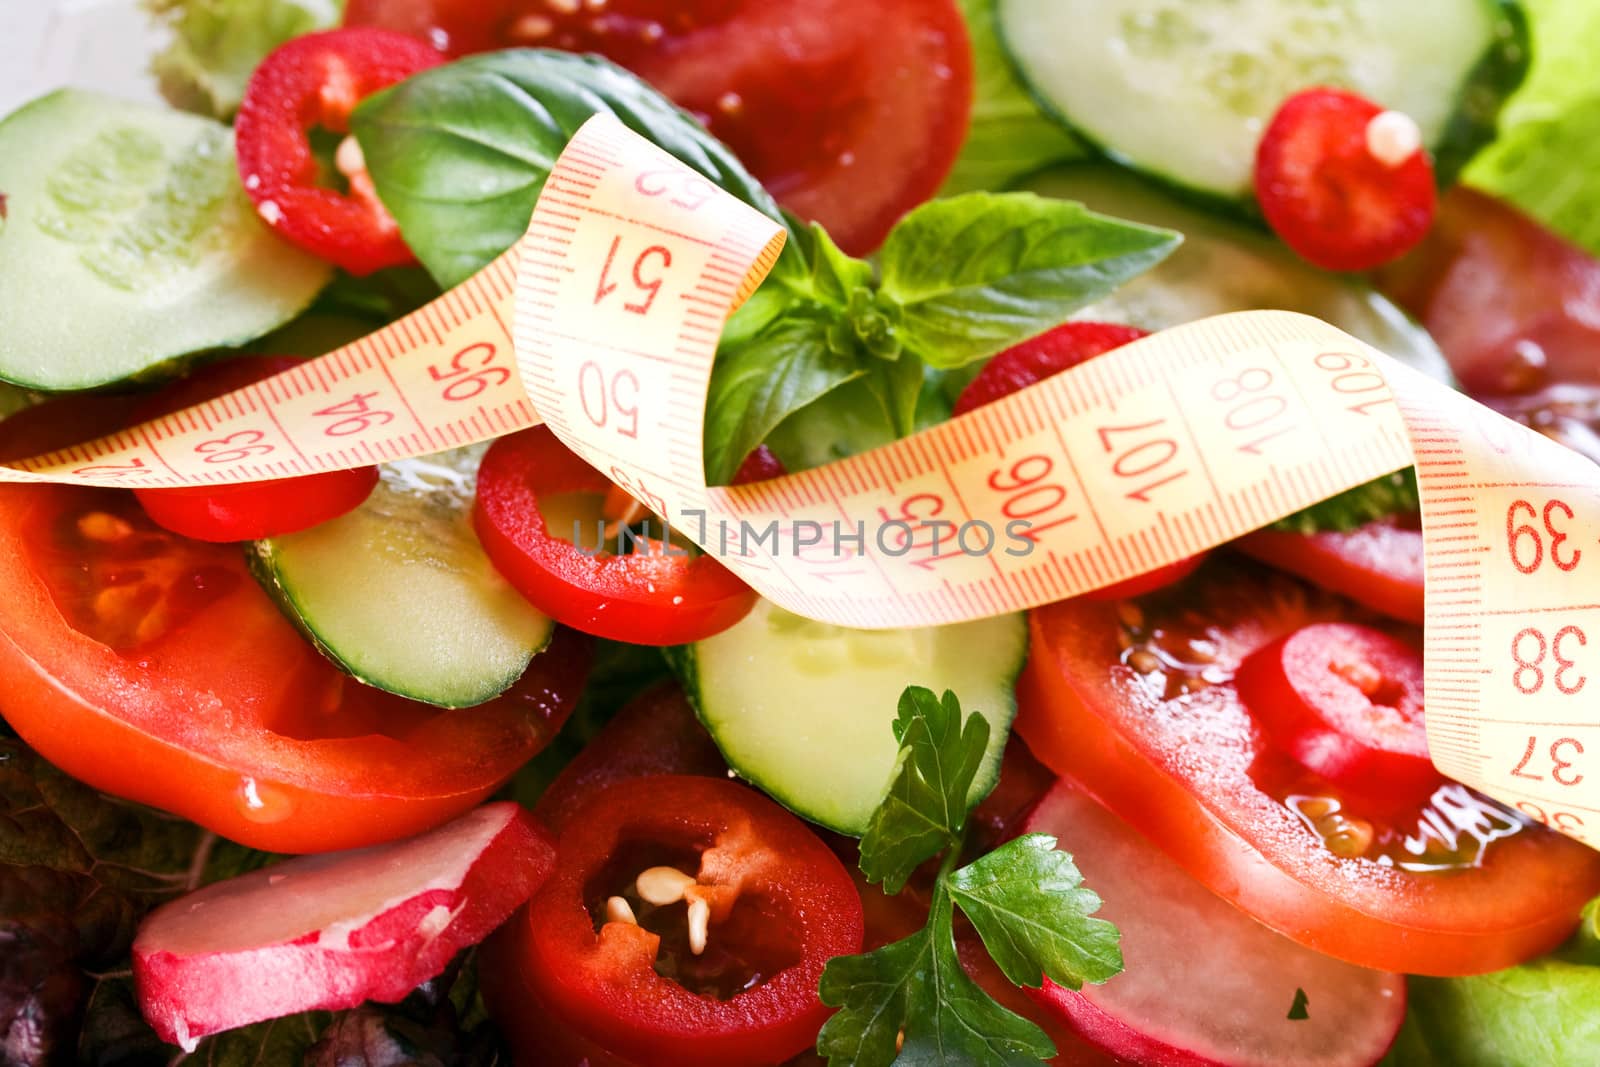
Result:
1379,564
654,596
1136,701
251,510
849,113
1345,700
612,942
1345,183
155,668
1039,358
315,81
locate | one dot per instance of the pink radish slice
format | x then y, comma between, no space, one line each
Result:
1203,983
330,931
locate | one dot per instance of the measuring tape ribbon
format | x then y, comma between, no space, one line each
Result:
604,321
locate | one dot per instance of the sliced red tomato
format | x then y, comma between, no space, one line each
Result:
1515,307
1039,358
1379,564
850,113
1345,183
654,595
251,510
310,82
1136,702
1345,700
687,922
155,668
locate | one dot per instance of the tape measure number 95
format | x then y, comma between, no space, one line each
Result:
1144,456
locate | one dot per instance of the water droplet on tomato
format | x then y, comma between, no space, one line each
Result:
263,803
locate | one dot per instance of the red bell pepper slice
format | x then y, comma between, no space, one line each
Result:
316,81
775,905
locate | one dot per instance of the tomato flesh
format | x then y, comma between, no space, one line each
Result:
849,113
781,905
1326,192
1345,700
1379,564
155,668
312,81
251,510
1137,702
648,597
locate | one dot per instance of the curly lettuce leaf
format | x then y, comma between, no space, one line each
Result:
217,44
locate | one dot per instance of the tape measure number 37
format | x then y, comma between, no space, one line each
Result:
1144,456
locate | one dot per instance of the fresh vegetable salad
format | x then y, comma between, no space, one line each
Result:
468,759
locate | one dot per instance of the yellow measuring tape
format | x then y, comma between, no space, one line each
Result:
604,320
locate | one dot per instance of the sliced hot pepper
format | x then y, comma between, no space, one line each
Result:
687,922
654,595
313,82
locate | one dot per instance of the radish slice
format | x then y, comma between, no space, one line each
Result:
331,931
1204,984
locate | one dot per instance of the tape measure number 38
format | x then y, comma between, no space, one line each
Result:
1149,454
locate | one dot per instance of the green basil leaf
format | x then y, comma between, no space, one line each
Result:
975,274
1030,906
1393,494
760,381
460,153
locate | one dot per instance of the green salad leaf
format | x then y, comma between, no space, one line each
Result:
1393,494
977,273
1009,135
1529,1016
1548,151
459,153
911,1002
217,44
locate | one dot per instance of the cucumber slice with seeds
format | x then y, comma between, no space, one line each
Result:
1224,265
127,243
399,592
805,710
1182,89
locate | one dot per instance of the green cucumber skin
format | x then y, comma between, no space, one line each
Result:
262,566
1472,125
682,661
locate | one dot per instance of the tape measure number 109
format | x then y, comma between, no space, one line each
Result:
1142,457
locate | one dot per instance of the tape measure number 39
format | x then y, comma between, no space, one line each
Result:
1144,456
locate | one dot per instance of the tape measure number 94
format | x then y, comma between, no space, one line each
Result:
1144,456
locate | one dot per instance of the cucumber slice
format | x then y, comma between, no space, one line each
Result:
1183,88
127,243
399,592
1227,266
804,709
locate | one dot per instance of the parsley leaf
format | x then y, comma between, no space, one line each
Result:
928,801
1298,1010
1030,906
911,1002
1393,494
916,986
